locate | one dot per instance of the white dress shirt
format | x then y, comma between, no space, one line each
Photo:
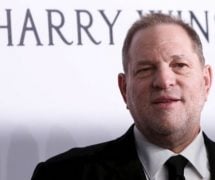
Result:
153,158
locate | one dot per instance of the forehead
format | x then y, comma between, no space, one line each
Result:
164,37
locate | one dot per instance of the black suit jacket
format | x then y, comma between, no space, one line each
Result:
113,160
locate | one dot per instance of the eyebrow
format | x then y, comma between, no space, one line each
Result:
176,57
144,62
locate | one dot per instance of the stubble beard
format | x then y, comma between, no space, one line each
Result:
168,133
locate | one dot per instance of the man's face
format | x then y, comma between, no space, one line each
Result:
166,85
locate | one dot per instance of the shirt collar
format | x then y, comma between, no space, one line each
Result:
197,155
153,157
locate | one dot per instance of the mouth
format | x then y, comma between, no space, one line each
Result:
165,101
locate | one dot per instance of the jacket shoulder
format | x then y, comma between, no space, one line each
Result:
75,163
78,153
106,150
90,161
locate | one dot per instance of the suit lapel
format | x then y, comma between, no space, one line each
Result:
127,166
210,145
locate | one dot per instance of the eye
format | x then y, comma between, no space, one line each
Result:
181,67
144,71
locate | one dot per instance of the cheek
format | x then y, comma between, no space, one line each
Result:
196,92
139,93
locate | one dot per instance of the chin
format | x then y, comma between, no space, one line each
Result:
167,129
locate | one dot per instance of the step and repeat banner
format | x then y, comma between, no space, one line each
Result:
59,62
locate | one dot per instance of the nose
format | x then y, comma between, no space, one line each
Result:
164,78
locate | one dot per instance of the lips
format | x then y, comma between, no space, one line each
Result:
165,100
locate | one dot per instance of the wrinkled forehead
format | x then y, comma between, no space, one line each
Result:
162,39
159,34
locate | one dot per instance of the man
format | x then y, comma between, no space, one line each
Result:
164,85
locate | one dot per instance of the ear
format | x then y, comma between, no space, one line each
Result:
122,86
207,78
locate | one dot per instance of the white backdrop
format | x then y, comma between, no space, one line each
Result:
55,94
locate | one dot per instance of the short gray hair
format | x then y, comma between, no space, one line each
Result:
153,19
